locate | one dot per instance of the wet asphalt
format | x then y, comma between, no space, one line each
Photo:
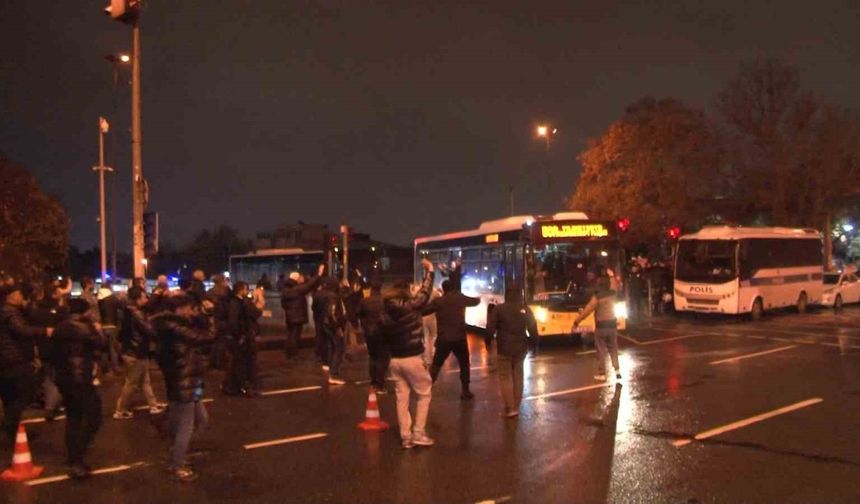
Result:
792,381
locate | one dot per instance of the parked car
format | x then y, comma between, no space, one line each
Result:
840,289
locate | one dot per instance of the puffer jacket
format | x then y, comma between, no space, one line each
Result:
370,314
17,341
136,333
242,317
75,342
181,356
402,323
294,299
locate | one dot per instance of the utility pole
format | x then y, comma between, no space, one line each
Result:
344,230
136,158
104,127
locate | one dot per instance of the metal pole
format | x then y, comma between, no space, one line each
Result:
344,229
101,169
113,178
828,242
136,161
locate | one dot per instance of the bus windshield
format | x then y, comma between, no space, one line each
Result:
706,261
561,270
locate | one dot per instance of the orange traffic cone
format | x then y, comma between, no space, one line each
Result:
371,418
22,468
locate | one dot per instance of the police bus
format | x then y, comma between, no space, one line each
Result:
552,259
724,269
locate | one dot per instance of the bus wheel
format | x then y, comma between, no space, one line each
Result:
802,303
837,303
757,310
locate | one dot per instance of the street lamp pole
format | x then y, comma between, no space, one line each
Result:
546,132
115,61
136,158
101,168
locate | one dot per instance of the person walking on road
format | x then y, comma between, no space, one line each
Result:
137,337
76,342
219,295
450,310
333,326
512,322
109,312
295,303
181,345
602,304
403,334
242,316
370,315
17,360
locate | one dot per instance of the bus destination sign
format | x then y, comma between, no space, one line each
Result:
573,230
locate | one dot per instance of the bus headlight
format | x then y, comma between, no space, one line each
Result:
620,309
541,314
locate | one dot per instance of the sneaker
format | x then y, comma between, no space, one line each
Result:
325,368
157,409
96,382
407,444
422,440
467,395
617,376
600,377
512,414
123,415
380,390
335,381
185,474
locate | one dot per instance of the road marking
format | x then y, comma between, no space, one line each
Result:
564,392
662,340
747,421
296,439
747,356
586,352
291,390
106,470
41,420
363,382
497,500
473,368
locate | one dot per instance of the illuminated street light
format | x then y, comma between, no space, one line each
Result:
125,58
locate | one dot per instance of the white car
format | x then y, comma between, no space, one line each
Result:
840,289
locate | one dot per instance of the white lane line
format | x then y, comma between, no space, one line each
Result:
41,420
747,421
747,356
291,390
473,368
497,500
295,439
586,352
105,470
565,392
662,340
363,382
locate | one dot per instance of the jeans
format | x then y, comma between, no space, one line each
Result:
410,375
184,418
429,324
604,338
294,335
335,348
53,399
242,373
83,418
136,378
17,393
461,351
510,368
379,358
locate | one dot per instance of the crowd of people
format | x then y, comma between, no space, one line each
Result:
63,345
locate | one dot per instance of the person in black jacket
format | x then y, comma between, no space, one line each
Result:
403,333
242,315
42,311
219,295
450,310
333,327
17,359
511,323
109,310
75,344
181,345
295,303
138,339
370,315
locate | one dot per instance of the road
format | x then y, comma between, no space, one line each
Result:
708,410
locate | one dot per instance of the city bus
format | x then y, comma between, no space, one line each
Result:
548,257
735,270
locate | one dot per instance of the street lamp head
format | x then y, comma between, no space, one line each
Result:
118,58
125,58
542,130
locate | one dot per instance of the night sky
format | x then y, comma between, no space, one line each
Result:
400,118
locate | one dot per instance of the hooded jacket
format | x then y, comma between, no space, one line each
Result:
17,340
75,343
402,323
137,333
294,299
180,356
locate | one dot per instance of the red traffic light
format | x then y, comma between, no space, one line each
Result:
673,233
622,224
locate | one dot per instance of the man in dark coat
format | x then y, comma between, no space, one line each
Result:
76,342
219,295
332,327
181,345
242,315
138,338
512,322
295,304
109,311
370,315
18,339
450,310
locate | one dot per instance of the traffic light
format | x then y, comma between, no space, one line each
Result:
125,11
622,224
673,233
332,241
150,233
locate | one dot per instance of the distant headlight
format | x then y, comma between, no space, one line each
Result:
541,314
620,310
